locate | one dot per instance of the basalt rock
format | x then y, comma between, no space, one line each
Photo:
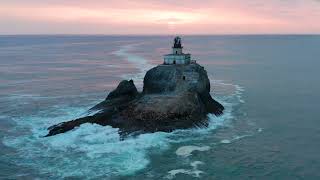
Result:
173,97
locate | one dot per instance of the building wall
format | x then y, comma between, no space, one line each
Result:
177,59
176,50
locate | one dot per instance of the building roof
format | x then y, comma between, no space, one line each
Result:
177,42
183,54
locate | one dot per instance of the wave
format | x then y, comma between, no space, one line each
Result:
138,61
94,151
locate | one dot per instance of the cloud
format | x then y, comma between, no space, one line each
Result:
160,17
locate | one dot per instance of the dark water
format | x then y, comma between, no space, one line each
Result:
268,84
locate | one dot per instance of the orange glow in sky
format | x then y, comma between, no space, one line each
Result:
159,17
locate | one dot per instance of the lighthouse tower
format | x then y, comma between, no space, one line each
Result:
177,56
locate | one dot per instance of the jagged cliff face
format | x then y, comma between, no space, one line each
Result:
173,97
176,79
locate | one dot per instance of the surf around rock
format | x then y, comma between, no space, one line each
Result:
173,97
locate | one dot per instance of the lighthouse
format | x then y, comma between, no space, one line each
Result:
177,56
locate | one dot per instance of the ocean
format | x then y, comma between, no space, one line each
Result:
269,85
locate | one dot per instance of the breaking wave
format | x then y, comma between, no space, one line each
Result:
95,151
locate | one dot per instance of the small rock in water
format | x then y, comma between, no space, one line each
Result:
174,96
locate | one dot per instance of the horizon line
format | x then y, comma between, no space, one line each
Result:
226,34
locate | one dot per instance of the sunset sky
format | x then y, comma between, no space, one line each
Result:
160,17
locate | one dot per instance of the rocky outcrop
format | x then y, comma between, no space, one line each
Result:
173,97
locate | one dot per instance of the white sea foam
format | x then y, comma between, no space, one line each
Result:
225,141
84,150
228,141
195,172
187,150
237,92
138,61
195,164
95,151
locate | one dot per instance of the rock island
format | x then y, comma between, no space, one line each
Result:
176,95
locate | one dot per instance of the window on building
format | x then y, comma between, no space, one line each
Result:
176,52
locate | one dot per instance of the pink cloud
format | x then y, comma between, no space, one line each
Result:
159,17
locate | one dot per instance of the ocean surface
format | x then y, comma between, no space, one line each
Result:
268,84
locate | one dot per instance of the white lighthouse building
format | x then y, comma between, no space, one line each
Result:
177,56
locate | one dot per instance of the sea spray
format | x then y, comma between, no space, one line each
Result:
95,151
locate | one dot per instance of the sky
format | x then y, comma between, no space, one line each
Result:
153,17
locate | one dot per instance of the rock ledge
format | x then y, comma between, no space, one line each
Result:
173,97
